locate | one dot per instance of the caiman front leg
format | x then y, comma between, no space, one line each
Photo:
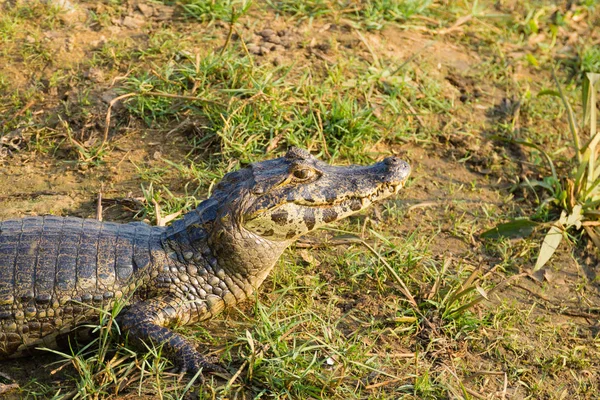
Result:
148,322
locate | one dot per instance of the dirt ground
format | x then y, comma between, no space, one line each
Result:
469,79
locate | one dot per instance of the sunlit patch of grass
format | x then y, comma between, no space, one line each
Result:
370,14
245,107
590,60
208,11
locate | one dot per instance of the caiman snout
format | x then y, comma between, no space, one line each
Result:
398,169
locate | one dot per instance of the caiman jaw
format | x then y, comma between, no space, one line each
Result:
382,192
293,209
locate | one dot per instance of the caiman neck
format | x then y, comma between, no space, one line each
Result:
243,253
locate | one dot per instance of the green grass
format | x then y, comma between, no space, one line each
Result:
369,14
243,107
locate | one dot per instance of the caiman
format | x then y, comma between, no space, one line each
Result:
56,272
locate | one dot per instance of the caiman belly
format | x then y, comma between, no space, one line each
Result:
56,272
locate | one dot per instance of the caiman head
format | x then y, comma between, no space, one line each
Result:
282,199
259,210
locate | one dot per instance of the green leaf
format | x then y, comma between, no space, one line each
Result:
548,92
549,246
516,228
532,60
587,87
570,118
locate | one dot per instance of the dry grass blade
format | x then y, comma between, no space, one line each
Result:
403,287
438,279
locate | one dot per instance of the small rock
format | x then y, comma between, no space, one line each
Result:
146,10
95,75
114,30
163,13
51,35
132,23
279,48
273,39
267,33
254,49
264,50
108,96
96,44
277,61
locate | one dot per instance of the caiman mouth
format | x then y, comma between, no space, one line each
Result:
383,191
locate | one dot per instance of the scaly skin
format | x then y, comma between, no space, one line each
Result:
216,256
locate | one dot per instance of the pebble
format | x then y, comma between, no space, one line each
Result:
267,33
132,23
273,39
254,49
147,10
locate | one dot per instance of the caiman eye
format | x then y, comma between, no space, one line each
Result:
303,174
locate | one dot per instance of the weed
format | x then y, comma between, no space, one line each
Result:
578,196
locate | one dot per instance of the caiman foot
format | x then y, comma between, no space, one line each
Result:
193,362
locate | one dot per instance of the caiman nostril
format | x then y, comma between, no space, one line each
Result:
391,161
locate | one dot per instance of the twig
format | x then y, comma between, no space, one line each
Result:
457,24
384,383
424,205
163,221
393,355
108,115
369,48
237,374
230,32
322,133
99,204
474,393
22,110
179,96
413,111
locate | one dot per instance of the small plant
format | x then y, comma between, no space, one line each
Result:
577,196
216,10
